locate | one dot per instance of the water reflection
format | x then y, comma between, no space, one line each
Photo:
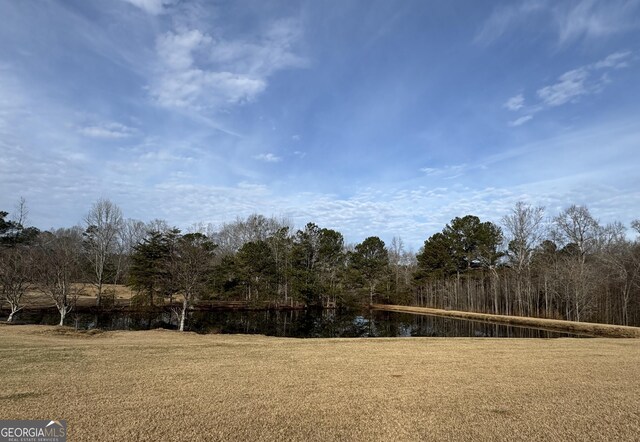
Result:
302,324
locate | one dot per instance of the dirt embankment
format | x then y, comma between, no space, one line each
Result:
582,328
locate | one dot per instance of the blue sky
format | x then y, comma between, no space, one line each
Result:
370,117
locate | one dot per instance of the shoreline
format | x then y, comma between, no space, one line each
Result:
556,325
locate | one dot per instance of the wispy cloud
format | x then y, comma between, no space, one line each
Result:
569,87
593,19
504,18
568,21
183,84
151,6
616,60
163,156
268,157
108,130
445,172
199,72
151,84
520,121
514,103
581,81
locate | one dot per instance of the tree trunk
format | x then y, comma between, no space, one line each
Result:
494,287
625,302
15,308
99,295
184,314
546,297
371,294
63,313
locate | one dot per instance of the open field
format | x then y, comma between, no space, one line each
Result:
585,328
163,385
35,299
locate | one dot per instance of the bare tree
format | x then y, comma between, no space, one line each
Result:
103,224
58,268
575,225
15,277
132,233
524,232
15,257
232,236
396,254
21,214
620,261
158,225
580,233
191,263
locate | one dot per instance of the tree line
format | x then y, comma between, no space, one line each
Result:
568,267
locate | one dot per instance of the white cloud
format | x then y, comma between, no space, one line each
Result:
616,60
504,18
446,172
176,49
593,19
154,7
520,121
570,85
198,89
107,130
515,103
268,157
271,53
163,156
570,169
581,81
569,21
198,72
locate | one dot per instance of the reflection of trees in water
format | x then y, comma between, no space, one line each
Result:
297,323
399,324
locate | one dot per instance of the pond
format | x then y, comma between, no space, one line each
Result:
297,323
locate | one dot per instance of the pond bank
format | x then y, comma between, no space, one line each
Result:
309,323
585,328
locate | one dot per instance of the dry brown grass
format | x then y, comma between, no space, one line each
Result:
120,291
163,385
34,299
584,328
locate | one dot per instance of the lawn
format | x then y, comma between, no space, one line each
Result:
163,385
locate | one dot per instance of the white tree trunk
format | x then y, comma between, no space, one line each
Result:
183,315
15,308
63,313
99,294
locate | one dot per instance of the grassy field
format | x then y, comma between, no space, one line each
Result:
37,299
163,385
